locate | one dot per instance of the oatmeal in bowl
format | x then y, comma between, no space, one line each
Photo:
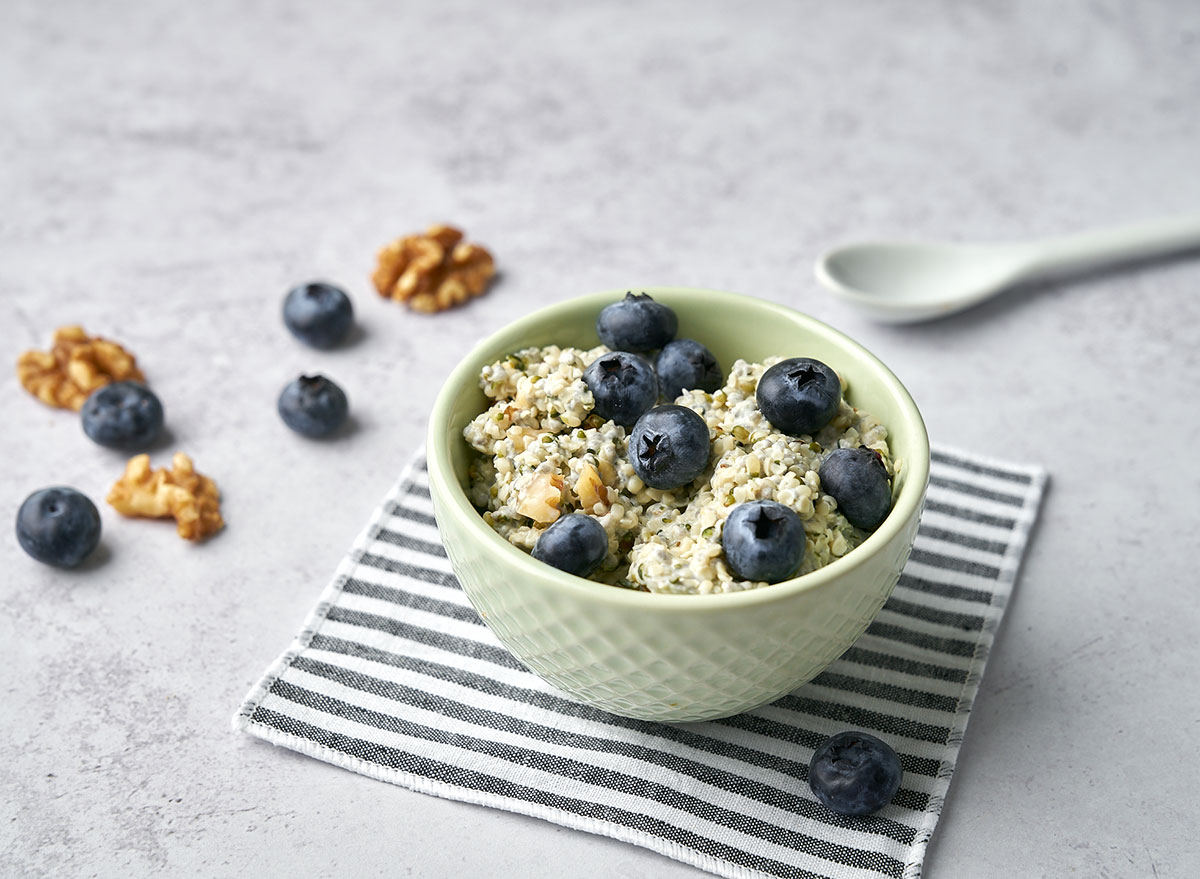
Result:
545,453
675,556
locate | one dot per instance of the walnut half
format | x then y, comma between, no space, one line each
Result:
75,365
180,492
433,271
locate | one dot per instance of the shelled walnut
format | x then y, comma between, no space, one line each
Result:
433,271
76,365
180,492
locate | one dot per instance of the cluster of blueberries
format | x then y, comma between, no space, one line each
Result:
669,444
60,525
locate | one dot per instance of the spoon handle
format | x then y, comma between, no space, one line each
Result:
1115,244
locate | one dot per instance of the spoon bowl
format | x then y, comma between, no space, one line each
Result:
903,282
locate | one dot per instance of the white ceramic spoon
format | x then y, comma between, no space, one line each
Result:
902,282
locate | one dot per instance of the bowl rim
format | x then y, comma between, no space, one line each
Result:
444,484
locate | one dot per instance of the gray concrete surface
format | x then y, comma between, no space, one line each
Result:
168,170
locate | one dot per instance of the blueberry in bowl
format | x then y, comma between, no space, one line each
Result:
58,526
313,406
858,481
637,323
799,396
685,364
123,415
763,540
669,446
623,385
318,314
576,543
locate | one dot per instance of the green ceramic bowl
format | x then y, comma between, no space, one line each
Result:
677,657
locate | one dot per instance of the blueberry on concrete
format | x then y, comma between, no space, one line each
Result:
314,406
59,526
854,773
636,323
623,386
123,415
669,446
799,396
763,540
685,365
575,543
318,314
858,481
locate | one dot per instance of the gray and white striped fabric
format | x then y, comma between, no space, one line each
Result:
395,676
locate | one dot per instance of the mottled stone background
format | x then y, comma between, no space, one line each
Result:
167,170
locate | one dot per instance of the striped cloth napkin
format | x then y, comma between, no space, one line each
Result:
394,676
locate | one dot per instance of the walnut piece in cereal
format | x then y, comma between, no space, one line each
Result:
179,492
539,497
433,271
591,491
76,365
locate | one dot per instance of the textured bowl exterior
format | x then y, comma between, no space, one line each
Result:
677,657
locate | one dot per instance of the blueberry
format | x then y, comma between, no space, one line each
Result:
669,446
623,386
854,773
799,396
123,415
858,482
575,543
636,323
763,540
314,406
318,314
59,526
685,365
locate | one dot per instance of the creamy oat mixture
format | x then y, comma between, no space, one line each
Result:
544,454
